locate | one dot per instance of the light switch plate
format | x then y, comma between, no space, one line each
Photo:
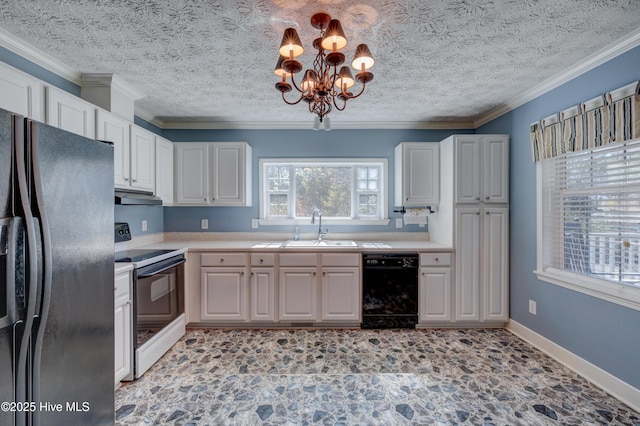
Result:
204,223
254,223
144,226
399,222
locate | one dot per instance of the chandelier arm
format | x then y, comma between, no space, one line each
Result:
292,103
344,105
295,85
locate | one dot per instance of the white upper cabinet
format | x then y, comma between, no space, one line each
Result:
143,159
21,93
70,113
164,170
482,165
134,151
114,129
216,174
417,174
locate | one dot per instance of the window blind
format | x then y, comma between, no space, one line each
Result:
591,212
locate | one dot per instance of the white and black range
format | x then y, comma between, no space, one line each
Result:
159,320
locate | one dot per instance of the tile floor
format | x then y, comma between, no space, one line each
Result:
362,377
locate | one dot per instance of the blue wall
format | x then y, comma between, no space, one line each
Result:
295,144
601,332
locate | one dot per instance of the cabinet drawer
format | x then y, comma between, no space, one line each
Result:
223,259
341,259
263,259
435,259
299,259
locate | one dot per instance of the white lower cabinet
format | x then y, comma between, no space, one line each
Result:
123,322
298,288
341,288
435,288
262,287
224,287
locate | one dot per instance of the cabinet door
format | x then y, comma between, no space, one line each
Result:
468,264
298,294
143,159
495,275
495,170
21,93
115,129
122,331
263,294
224,294
418,178
468,164
70,113
435,294
192,165
164,170
230,174
341,294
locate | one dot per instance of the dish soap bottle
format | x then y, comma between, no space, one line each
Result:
296,234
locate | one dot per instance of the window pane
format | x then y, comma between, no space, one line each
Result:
368,205
326,188
278,205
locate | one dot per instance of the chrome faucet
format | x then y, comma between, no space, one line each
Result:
313,220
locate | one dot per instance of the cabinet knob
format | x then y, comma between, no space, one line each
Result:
242,274
478,199
252,274
437,259
324,274
488,198
261,260
477,213
126,179
221,259
134,180
486,213
314,274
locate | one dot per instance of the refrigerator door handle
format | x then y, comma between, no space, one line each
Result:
47,266
8,247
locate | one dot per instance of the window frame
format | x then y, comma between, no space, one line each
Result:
355,220
611,291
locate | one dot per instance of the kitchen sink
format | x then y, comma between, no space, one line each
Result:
321,243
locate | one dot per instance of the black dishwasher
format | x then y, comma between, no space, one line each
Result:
390,290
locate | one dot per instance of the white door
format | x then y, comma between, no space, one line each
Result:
224,292
21,93
341,294
496,169
143,159
468,164
115,129
263,297
435,294
422,174
70,113
164,170
192,167
298,294
468,254
495,275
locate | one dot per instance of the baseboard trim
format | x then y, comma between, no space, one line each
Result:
606,381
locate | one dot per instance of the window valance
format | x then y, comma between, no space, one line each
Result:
611,117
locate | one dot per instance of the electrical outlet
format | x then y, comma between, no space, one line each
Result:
254,223
398,222
532,307
144,226
204,223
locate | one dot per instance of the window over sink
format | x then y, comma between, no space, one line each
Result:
347,191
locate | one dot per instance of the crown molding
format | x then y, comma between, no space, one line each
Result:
30,53
199,124
617,48
113,81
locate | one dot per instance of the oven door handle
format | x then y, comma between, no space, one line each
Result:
150,273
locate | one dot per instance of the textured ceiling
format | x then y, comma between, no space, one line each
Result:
436,60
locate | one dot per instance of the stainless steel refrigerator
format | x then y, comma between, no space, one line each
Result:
56,272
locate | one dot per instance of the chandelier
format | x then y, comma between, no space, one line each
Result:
323,87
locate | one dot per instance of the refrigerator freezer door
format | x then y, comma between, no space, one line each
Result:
73,355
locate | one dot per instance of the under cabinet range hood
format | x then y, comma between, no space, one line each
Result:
136,198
